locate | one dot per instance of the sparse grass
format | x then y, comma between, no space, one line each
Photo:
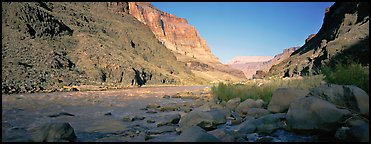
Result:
349,73
262,89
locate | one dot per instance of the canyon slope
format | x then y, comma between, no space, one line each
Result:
344,33
181,38
49,45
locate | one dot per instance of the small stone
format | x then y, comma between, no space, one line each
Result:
108,114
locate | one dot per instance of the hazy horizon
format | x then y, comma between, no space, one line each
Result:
250,28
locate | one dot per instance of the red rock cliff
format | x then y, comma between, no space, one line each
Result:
175,33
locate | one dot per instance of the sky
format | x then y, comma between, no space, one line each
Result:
250,28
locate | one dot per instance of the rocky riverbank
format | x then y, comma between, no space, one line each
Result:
325,113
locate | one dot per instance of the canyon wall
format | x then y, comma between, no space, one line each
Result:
344,33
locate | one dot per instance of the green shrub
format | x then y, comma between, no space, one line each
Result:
262,89
350,73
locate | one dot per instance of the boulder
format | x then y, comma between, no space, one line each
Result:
264,124
244,107
312,113
359,130
269,123
196,134
282,97
236,118
54,132
233,103
160,130
348,96
257,112
253,137
246,127
207,120
223,135
168,119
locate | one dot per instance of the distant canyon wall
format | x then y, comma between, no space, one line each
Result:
255,66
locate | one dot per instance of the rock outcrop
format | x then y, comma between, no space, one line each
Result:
180,37
175,33
344,33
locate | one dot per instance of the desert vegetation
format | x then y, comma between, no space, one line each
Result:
348,72
262,89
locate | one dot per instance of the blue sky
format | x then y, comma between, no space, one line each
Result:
250,28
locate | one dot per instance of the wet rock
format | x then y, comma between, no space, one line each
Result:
269,123
348,96
264,124
233,103
130,118
151,121
244,107
196,134
54,132
359,130
108,114
246,127
342,133
282,97
206,120
61,114
312,113
169,119
236,118
257,112
223,135
160,130
253,137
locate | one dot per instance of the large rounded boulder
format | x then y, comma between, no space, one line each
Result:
282,97
54,132
207,120
233,103
196,134
243,108
313,113
348,96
